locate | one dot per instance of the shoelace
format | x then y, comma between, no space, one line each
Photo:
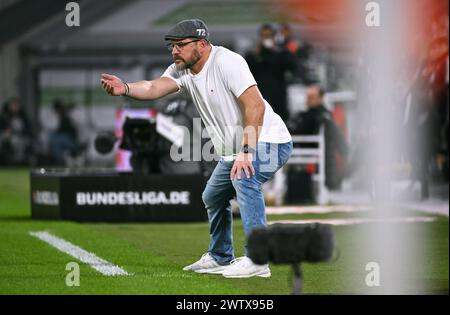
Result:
203,258
238,260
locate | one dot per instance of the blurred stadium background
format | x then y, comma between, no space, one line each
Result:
50,85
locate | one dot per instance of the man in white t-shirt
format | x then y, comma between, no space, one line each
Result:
251,139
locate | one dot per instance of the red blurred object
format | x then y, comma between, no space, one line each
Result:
293,46
339,117
311,168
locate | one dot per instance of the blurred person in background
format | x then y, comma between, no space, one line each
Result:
271,65
301,51
286,40
310,123
426,114
63,141
436,75
15,134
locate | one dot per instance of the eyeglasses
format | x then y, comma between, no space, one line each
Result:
180,45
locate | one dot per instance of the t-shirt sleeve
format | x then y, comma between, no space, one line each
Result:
237,74
172,73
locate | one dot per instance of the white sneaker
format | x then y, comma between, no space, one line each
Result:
243,267
206,264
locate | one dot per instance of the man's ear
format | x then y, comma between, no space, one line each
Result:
204,43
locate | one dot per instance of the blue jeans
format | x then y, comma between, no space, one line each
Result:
269,158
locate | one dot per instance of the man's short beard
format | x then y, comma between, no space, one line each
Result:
190,64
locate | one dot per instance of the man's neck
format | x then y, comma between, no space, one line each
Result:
201,63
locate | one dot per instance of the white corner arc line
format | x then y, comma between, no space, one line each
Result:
104,267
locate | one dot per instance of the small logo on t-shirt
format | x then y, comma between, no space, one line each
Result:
212,90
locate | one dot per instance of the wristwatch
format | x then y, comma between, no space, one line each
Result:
247,149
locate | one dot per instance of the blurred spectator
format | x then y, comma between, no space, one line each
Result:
15,134
63,142
436,73
299,49
439,23
270,65
426,114
310,123
286,40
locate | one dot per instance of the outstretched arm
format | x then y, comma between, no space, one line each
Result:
141,90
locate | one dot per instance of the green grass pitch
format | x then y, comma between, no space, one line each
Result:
156,253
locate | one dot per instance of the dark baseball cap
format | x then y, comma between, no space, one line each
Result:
193,28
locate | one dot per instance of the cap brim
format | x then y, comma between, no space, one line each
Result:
171,37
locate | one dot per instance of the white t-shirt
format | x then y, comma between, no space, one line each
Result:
215,91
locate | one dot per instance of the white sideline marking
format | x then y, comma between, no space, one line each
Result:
357,221
101,265
316,209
